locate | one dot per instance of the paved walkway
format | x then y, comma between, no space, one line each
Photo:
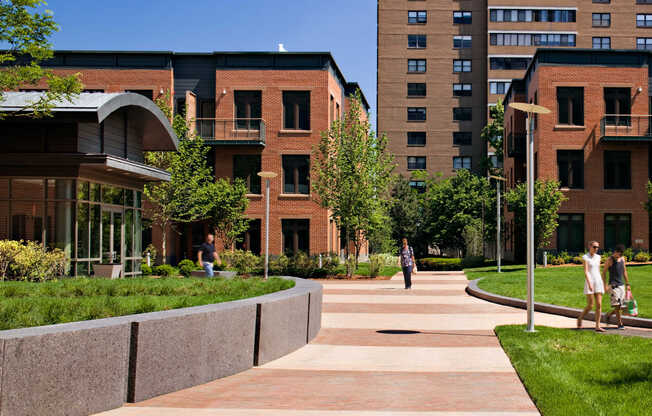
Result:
382,350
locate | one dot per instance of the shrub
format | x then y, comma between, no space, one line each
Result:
375,264
605,255
556,260
165,270
439,264
186,267
8,251
470,262
244,262
578,260
152,253
32,262
388,259
628,254
219,266
565,257
146,270
278,265
642,257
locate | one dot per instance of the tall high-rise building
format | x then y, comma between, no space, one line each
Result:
442,63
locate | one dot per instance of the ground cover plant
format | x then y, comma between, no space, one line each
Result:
26,304
560,285
570,372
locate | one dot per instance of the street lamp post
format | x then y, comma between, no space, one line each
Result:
267,176
498,247
530,109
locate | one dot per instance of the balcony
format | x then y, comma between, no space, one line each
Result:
516,145
238,131
626,128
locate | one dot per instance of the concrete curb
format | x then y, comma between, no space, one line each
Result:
86,367
473,290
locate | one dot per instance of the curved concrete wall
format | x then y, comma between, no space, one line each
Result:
88,367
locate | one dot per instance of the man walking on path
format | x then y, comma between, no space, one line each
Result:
407,263
207,255
615,264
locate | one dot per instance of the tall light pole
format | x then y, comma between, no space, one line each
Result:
530,109
267,176
498,247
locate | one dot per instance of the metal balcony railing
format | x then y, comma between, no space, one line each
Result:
516,144
231,131
624,126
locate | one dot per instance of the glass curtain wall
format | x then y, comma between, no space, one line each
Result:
70,214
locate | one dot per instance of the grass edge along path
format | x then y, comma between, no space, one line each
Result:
25,304
570,372
560,285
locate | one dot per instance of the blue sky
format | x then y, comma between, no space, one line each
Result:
346,28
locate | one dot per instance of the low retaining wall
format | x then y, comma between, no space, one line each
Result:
474,290
87,367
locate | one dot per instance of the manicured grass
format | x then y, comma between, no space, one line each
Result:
569,372
561,285
25,304
363,270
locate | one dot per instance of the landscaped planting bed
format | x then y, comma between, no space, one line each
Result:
560,285
570,372
26,304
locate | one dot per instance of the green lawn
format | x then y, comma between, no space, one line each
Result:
569,372
561,285
25,304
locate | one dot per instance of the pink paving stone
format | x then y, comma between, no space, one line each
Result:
341,390
393,291
371,337
413,308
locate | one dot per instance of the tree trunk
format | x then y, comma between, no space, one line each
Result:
349,272
164,251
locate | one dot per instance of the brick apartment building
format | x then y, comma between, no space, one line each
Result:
597,143
442,63
259,111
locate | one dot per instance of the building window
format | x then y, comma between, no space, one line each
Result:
644,43
642,1
644,20
617,102
416,138
461,65
601,43
534,15
416,89
617,169
609,1
462,138
145,93
246,167
416,163
509,63
296,174
499,87
416,113
528,39
417,41
419,16
461,162
570,105
601,19
248,109
296,110
617,230
462,114
419,186
416,65
250,239
462,90
296,236
570,165
461,42
570,233
462,18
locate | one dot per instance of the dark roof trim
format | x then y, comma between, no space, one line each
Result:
350,89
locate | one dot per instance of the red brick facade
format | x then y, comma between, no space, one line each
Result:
593,201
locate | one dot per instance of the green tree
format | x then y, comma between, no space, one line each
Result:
25,32
493,132
229,202
648,203
186,197
352,173
379,233
547,200
406,211
455,202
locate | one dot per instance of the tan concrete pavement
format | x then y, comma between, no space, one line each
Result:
429,351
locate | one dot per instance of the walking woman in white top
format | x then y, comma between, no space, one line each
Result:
593,285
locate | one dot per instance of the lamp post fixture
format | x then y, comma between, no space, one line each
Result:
530,109
267,176
498,248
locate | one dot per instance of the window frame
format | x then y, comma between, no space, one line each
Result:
462,65
572,109
601,40
467,138
601,21
417,64
618,225
412,138
416,165
462,89
420,17
463,164
415,91
574,168
613,179
569,224
292,159
462,41
418,40
417,110
297,123
462,113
